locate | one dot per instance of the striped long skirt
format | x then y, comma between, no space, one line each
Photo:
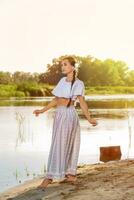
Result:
65,144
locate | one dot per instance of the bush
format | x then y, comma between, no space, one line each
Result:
19,94
7,90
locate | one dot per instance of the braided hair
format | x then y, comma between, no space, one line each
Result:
72,62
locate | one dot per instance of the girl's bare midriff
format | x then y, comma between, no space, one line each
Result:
64,101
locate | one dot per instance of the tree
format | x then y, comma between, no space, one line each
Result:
5,77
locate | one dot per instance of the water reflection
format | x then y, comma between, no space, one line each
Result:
94,101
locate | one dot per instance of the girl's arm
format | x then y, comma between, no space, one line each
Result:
47,107
53,103
84,108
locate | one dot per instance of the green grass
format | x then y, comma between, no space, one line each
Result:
109,90
33,89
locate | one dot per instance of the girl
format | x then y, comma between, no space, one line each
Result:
65,145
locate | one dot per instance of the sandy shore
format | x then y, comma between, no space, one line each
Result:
107,181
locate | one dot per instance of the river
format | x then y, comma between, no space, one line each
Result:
25,139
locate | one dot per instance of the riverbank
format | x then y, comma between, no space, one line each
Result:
27,89
110,181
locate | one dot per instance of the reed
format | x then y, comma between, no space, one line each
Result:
21,133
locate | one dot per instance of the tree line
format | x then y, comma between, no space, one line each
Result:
93,71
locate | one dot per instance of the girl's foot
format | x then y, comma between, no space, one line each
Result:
69,178
44,183
72,178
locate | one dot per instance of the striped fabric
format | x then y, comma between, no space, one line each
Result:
65,144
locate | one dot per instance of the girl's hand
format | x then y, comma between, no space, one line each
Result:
93,121
37,112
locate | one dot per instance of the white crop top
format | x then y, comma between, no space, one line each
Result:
63,89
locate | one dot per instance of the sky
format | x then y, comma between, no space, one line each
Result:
33,32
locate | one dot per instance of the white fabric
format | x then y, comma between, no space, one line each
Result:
65,145
63,89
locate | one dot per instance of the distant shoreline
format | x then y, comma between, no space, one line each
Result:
44,90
